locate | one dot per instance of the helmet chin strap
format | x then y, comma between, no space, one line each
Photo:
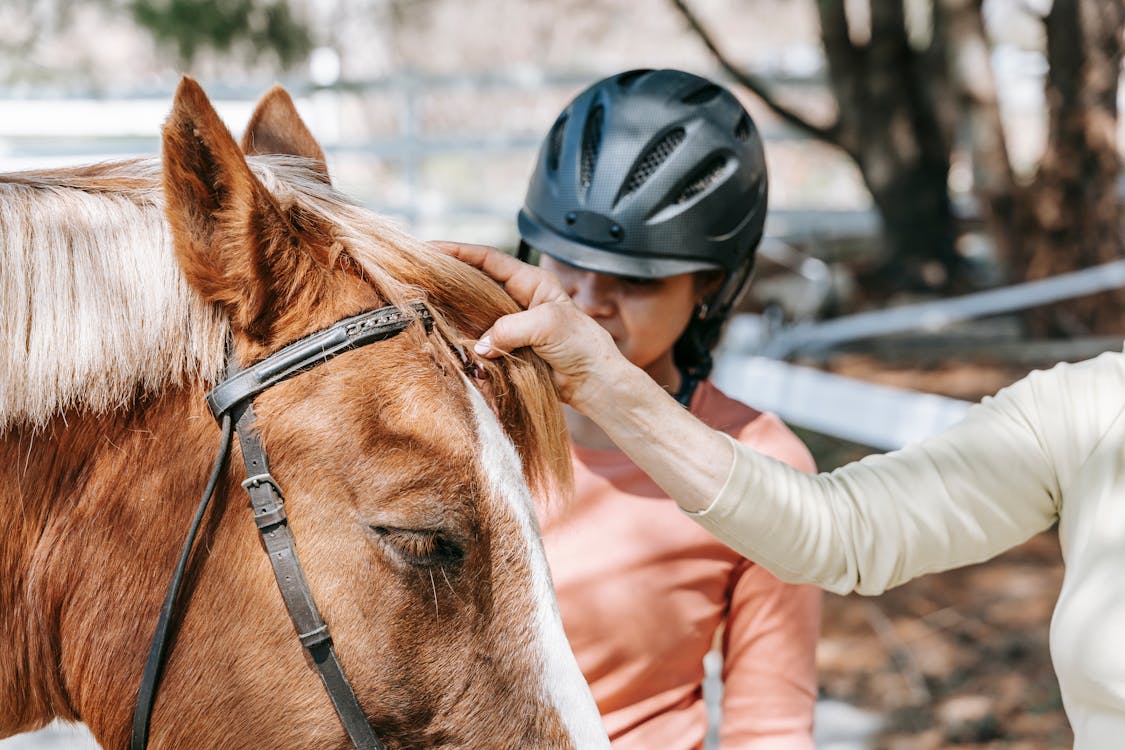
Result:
693,340
524,252
688,384
724,301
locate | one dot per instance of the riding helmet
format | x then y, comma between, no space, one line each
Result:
651,173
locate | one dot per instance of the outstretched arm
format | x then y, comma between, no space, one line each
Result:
689,460
981,487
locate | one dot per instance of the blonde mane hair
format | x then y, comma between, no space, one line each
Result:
93,306
95,311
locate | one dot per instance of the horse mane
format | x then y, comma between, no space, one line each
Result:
94,310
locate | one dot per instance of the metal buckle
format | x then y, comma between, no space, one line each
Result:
259,479
266,515
315,637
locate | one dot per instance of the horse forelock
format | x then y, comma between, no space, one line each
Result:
465,303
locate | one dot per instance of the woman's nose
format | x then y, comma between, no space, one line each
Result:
590,292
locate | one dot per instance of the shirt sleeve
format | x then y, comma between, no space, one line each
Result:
769,642
769,663
983,486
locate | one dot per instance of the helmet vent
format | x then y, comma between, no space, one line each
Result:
653,158
555,141
625,80
591,144
742,129
702,95
707,176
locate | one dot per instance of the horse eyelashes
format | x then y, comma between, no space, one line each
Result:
419,548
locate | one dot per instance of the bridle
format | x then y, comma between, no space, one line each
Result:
231,402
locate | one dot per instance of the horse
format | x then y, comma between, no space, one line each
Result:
408,469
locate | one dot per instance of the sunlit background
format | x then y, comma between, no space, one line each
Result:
432,111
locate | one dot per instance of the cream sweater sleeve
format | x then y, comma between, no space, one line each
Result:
984,485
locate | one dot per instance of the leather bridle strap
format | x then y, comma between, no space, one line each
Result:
268,505
231,402
348,334
154,663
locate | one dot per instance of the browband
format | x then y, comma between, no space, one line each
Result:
348,334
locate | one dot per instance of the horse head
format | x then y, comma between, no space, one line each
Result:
406,497
407,470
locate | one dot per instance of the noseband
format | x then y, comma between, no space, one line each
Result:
231,402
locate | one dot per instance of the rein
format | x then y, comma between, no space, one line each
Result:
231,402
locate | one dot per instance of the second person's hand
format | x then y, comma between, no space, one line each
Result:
684,456
582,355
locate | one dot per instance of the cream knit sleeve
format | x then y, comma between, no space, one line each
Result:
986,484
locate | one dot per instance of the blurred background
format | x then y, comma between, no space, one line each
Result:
945,216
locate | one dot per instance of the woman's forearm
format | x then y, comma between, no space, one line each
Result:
688,459
977,489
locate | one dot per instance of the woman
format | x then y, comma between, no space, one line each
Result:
647,204
1047,449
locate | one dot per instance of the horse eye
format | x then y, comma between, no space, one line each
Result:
421,548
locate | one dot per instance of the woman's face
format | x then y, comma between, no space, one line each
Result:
644,316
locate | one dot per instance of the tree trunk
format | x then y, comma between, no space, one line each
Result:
1071,216
970,72
889,123
918,226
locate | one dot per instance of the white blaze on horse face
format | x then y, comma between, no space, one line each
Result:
563,684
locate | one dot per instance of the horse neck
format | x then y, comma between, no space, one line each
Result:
90,505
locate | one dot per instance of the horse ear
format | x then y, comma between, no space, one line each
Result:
276,128
229,234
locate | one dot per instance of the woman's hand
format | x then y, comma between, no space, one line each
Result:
684,456
582,356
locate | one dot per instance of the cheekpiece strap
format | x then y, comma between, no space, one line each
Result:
268,505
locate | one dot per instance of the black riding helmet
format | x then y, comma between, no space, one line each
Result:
650,173
653,173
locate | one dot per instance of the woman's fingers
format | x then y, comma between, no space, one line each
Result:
581,354
546,326
528,285
550,314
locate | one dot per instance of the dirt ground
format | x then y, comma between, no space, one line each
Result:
956,660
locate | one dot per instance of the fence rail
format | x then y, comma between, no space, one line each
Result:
939,315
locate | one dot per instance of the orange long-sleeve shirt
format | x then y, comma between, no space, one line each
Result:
643,591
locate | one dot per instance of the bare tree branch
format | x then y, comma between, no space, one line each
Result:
756,85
